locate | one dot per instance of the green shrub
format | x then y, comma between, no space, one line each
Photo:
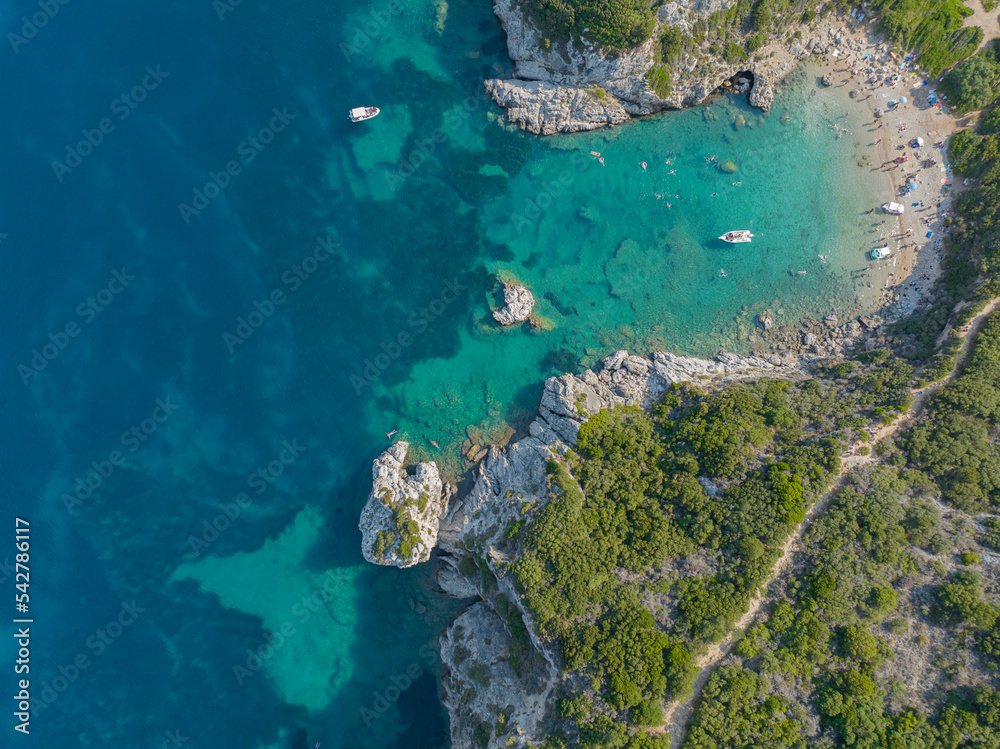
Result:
671,43
734,53
647,713
974,83
970,558
658,78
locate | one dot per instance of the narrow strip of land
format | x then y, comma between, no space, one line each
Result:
678,714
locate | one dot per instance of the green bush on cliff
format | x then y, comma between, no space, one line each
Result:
658,78
611,24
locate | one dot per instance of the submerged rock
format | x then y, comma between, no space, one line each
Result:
518,304
400,521
766,320
728,166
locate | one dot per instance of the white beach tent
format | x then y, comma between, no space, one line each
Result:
920,142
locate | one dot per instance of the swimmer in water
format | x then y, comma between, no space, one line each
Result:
643,165
669,206
390,434
737,184
801,272
601,159
715,194
436,444
722,273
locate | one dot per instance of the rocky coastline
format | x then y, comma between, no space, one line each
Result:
499,676
574,86
498,672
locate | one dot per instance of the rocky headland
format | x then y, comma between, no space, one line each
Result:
573,86
499,673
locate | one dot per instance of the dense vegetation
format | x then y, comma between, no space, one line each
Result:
974,82
933,28
612,24
596,563
953,445
829,639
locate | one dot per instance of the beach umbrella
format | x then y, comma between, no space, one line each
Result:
902,100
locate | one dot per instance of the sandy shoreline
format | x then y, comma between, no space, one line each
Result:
903,280
900,284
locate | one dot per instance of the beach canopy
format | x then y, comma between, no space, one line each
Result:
920,142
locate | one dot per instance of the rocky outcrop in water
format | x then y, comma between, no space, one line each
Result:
399,522
518,303
546,108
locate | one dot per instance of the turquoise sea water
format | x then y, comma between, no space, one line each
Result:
236,292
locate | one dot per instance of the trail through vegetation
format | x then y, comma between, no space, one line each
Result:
679,713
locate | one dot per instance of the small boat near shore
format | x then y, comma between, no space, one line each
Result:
880,253
896,209
736,237
360,114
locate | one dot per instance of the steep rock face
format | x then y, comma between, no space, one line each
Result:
399,522
565,87
480,684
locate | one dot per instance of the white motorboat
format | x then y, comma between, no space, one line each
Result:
735,237
881,252
896,209
360,114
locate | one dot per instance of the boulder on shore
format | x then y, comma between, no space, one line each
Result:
399,523
518,303
761,95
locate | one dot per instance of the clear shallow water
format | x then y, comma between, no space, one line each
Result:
424,204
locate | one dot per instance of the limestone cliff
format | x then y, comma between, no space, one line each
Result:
571,86
399,522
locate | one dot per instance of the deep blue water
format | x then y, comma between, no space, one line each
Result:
202,304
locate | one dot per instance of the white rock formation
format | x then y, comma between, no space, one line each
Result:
399,522
518,305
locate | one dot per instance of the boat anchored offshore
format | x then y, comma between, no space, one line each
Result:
881,252
896,209
735,237
360,114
